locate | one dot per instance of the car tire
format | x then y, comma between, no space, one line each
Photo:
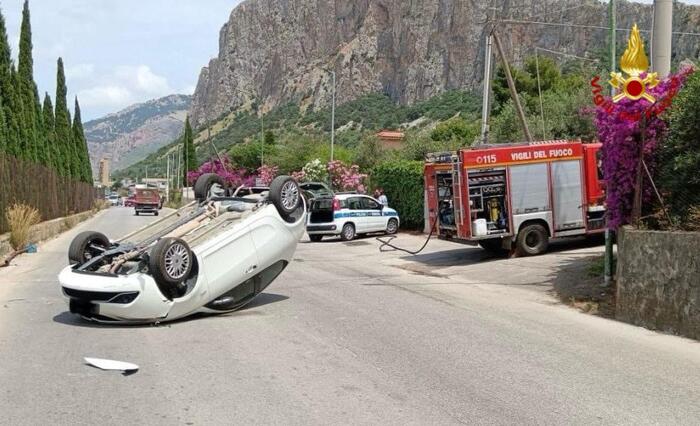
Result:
156,213
392,227
348,232
170,264
532,240
137,213
285,195
80,249
204,184
315,238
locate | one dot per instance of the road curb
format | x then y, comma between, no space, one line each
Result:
47,230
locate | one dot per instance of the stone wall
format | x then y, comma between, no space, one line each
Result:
658,280
46,230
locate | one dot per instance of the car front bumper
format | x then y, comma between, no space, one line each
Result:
119,298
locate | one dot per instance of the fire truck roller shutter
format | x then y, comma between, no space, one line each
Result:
529,188
568,200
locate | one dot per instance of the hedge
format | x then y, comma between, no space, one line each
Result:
403,184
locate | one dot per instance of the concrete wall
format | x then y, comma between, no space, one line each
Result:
45,230
658,280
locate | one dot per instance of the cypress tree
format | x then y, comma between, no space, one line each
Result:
23,149
27,89
10,103
189,153
62,125
6,88
52,148
81,149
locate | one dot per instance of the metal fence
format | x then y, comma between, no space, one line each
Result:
671,195
36,185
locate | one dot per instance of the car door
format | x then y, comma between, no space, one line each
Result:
373,210
357,214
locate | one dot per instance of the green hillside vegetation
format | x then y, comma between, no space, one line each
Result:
444,122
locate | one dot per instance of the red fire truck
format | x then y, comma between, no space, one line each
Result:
515,196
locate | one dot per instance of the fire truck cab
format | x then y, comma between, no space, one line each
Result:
515,196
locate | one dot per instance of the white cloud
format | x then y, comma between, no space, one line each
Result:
80,71
143,80
187,90
106,96
122,87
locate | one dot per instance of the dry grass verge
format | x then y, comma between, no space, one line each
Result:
21,218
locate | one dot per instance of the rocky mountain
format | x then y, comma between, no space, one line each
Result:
272,52
131,134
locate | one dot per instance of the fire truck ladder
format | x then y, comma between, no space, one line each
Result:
458,206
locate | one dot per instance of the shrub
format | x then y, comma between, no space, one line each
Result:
21,218
680,154
402,182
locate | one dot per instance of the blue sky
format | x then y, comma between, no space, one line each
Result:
119,52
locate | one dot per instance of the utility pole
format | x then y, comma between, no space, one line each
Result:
333,118
179,164
262,138
511,86
486,101
662,37
167,179
608,260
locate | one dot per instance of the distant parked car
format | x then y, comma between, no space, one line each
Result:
113,200
146,200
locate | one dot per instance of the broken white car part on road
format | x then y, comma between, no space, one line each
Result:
211,256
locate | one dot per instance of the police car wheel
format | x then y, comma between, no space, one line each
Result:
348,232
392,227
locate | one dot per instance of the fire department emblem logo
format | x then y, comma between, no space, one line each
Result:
634,62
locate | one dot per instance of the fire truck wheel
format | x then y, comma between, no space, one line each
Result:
532,240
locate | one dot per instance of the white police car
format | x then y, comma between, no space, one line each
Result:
348,215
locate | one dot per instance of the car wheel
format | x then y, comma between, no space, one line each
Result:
208,185
532,240
156,213
137,213
170,264
315,238
87,245
348,232
285,194
392,227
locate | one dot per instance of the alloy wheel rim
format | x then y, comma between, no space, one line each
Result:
177,261
392,226
290,195
348,232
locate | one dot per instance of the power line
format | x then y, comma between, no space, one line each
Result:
595,27
566,54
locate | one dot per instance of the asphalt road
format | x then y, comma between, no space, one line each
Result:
346,335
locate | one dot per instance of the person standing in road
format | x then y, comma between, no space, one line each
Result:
382,198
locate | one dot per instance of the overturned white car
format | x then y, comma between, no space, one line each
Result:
211,256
